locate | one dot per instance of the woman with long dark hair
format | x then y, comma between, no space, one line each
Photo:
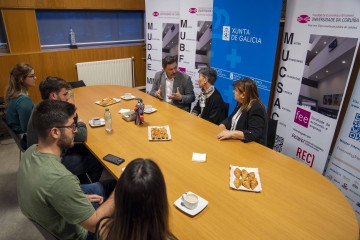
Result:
17,101
141,205
248,122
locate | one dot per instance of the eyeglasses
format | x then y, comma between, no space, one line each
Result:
31,76
73,127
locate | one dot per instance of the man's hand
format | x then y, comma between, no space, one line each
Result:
95,198
176,96
158,93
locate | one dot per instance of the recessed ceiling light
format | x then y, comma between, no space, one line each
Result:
343,61
316,52
316,77
327,71
324,42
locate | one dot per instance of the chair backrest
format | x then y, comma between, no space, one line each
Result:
226,108
77,84
18,140
271,132
43,231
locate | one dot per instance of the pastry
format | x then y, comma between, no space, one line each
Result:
246,183
253,183
251,175
237,173
238,182
244,174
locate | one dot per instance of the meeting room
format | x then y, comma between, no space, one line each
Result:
179,119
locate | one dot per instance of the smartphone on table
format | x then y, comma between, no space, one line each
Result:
114,159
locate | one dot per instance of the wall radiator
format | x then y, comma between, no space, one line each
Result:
109,72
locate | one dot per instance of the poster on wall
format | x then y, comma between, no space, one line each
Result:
344,166
319,45
195,38
244,44
162,35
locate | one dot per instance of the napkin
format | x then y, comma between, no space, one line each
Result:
199,157
123,110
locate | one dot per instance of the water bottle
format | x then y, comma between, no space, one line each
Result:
71,95
72,39
108,123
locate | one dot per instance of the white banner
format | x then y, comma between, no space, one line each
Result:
344,166
319,46
195,38
162,35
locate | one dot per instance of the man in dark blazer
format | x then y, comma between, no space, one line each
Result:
172,86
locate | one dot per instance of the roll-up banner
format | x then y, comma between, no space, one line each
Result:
344,166
319,45
244,43
162,35
195,38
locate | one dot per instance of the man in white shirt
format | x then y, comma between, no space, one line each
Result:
173,86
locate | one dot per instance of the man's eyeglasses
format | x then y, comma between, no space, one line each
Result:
31,76
72,126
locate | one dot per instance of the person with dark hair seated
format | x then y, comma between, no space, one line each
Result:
17,101
47,192
172,86
141,205
210,105
78,159
248,122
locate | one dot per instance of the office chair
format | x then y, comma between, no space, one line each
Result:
271,132
43,231
77,84
18,139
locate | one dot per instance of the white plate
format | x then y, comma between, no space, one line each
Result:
192,212
151,111
102,123
167,129
128,98
258,188
117,100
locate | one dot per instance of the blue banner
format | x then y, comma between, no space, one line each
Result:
244,40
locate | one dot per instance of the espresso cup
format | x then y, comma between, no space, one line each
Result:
96,121
128,95
148,108
190,200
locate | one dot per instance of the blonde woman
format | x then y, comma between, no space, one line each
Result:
17,101
248,122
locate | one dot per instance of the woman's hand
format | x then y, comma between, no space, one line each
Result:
95,198
225,135
222,125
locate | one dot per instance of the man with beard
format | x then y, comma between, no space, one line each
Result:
78,159
48,193
172,86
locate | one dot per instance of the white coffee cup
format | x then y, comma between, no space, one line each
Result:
128,95
96,121
148,108
190,200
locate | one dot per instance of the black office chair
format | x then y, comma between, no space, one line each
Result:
271,132
18,139
43,231
226,109
77,84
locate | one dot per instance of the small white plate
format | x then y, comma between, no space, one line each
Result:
102,123
151,111
192,212
167,129
128,98
104,105
258,188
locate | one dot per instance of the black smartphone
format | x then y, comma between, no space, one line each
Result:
114,159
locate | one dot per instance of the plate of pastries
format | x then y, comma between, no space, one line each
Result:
159,133
107,101
245,179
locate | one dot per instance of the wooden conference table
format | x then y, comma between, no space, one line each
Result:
296,201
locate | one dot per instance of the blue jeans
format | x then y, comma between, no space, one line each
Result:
104,189
79,160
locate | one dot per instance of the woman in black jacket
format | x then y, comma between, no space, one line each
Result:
248,122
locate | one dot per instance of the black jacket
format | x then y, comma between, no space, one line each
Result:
253,123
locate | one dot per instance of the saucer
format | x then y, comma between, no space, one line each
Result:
192,212
128,98
102,123
151,111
